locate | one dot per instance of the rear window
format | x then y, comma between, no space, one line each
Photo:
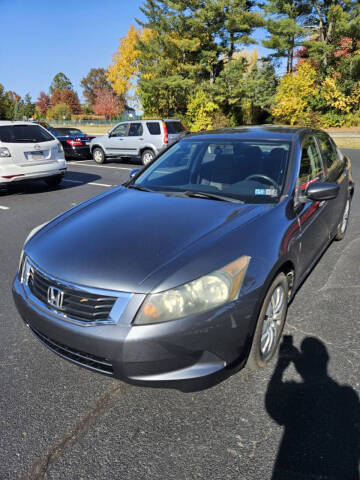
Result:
153,127
175,127
69,131
24,134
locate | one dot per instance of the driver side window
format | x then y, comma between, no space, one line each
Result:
311,168
120,130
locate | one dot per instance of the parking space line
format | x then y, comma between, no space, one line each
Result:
88,183
99,166
4,208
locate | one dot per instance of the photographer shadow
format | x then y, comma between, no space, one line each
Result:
321,418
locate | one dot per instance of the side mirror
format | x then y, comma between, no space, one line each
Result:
320,191
133,172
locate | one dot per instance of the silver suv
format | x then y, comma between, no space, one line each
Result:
137,138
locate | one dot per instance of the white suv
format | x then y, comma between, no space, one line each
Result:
29,151
137,138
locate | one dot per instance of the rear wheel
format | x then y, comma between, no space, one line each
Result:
341,230
146,156
270,324
98,155
54,181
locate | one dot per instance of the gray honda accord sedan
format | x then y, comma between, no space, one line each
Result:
184,273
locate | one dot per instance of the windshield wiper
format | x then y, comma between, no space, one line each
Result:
212,196
139,187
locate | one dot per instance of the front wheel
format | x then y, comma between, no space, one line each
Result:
341,230
270,324
147,156
98,155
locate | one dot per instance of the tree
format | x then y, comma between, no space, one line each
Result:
293,95
43,103
28,108
6,105
285,27
61,111
68,97
60,82
107,103
200,112
189,44
124,68
95,79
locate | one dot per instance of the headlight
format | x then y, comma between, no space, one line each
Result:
4,152
31,234
207,292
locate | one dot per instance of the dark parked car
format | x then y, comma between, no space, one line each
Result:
75,142
185,272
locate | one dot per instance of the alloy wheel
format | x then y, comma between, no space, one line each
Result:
272,324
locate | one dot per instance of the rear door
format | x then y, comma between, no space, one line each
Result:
114,144
134,140
335,171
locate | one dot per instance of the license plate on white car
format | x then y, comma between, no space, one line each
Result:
37,155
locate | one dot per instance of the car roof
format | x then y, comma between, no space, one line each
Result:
268,132
4,123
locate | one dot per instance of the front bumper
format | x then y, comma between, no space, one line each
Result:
198,348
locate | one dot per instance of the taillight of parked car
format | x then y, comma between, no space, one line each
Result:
166,133
74,143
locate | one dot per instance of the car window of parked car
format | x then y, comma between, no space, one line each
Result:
330,155
24,134
120,130
311,168
251,171
135,130
175,127
154,128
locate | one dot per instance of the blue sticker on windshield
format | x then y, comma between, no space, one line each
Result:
269,192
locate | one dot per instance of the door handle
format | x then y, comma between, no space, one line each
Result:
141,139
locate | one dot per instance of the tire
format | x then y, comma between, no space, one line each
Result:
260,355
342,227
147,156
98,155
53,181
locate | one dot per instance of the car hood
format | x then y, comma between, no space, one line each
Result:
122,239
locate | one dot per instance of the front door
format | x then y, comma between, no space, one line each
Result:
314,230
335,172
114,144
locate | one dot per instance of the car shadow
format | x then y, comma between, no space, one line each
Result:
71,180
321,418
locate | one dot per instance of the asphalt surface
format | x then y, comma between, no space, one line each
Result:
59,421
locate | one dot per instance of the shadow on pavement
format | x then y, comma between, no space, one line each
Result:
321,418
40,186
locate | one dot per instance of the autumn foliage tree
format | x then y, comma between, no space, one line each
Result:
43,103
107,103
68,97
125,68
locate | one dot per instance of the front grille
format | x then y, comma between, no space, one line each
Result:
77,304
76,356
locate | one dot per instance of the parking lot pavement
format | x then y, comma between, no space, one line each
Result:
59,421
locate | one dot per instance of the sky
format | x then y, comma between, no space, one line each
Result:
40,38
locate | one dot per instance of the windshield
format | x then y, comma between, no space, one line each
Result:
24,134
250,171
